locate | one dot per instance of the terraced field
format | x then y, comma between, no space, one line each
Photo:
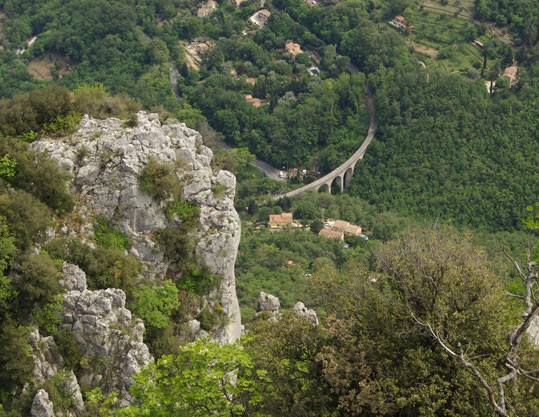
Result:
439,35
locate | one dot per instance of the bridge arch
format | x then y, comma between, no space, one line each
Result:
336,185
324,188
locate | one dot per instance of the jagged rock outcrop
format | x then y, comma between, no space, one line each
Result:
103,328
105,159
48,362
268,307
268,302
41,405
71,389
47,359
308,313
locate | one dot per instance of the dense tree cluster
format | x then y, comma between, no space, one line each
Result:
375,355
446,149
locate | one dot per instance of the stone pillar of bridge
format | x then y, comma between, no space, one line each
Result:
341,177
328,185
348,176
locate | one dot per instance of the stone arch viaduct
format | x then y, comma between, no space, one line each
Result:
341,175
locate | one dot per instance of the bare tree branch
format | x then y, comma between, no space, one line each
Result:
515,264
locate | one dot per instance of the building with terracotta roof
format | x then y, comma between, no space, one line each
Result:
340,225
331,234
251,81
293,48
254,101
280,220
352,230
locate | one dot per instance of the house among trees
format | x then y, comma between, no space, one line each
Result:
260,18
293,48
254,101
331,234
399,22
347,228
338,229
207,8
277,221
510,74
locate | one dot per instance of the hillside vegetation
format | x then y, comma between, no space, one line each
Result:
417,321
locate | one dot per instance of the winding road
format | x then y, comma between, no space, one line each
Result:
343,173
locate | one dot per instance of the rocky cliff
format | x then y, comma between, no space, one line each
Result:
104,160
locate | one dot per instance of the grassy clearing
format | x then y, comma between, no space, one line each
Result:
44,66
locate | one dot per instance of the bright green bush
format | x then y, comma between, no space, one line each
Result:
184,211
155,304
108,237
48,317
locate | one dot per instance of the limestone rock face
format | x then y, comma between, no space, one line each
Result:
268,302
104,159
308,313
104,330
41,405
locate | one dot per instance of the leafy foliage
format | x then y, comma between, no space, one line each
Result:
155,304
183,211
204,379
108,237
104,268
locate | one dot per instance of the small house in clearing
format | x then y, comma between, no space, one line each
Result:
280,220
479,44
